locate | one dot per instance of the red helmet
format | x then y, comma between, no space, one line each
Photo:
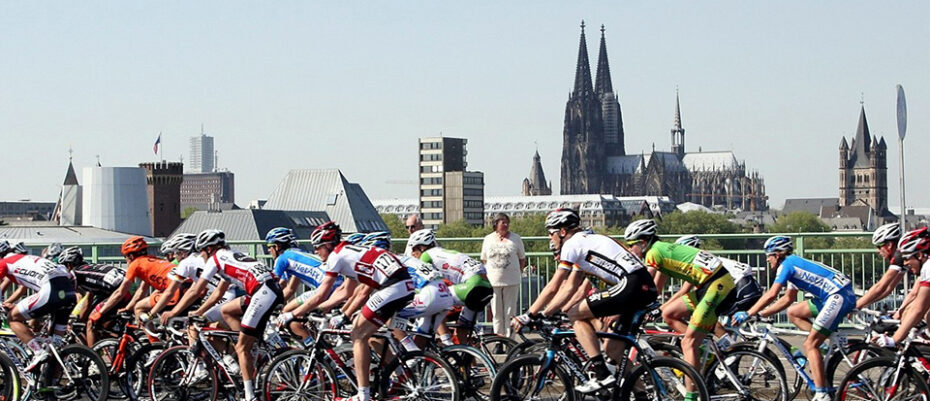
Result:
914,241
328,232
133,245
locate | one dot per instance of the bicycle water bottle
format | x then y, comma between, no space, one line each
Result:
798,356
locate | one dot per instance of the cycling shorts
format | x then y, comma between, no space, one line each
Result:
475,293
429,307
383,304
632,293
742,298
55,297
708,299
155,296
258,308
828,312
215,314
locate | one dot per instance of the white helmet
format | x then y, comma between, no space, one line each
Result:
209,238
183,242
425,236
689,240
640,229
890,232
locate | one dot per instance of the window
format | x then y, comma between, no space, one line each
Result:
472,192
430,145
431,204
431,157
431,181
431,192
331,199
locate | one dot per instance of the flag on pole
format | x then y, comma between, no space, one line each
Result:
157,142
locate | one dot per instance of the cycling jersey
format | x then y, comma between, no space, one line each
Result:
897,262
306,267
30,271
455,267
811,277
598,255
371,266
99,280
421,272
736,269
238,269
682,262
925,274
151,270
189,269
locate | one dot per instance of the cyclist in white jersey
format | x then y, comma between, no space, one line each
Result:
53,294
582,254
387,289
189,269
250,314
915,252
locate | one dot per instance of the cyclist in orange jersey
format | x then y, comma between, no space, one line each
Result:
151,270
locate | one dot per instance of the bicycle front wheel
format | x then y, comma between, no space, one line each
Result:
754,372
82,374
419,375
529,377
662,379
179,374
295,376
879,379
474,370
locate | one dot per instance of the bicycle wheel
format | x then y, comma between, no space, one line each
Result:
523,378
84,374
795,381
420,375
294,376
838,366
875,379
475,370
108,349
528,347
755,373
496,347
179,374
662,379
9,379
137,370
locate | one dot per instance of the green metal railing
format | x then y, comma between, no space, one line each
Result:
860,262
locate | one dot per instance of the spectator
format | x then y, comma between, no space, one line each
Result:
413,224
503,255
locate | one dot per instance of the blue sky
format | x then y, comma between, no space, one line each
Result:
353,85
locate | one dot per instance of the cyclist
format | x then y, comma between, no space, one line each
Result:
167,250
151,270
915,252
432,299
52,251
833,299
294,267
886,239
189,266
250,314
387,289
20,248
582,253
468,277
689,240
53,295
97,283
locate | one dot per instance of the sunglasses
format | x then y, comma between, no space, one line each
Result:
908,257
553,231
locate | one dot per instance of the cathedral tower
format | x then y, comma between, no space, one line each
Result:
678,133
863,169
583,150
610,104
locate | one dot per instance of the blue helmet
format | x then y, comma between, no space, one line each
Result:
280,235
379,239
778,243
355,238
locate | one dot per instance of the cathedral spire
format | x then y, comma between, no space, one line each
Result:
603,84
678,133
677,123
862,144
583,85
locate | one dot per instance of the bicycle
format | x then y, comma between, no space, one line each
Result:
899,377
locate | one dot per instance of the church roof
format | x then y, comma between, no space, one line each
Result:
70,176
628,164
696,161
603,84
327,190
862,144
537,177
668,159
583,85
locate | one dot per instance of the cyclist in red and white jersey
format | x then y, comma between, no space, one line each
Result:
251,313
886,239
387,289
54,294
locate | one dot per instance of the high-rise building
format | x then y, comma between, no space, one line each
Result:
164,193
448,192
203,157
863,169
202,190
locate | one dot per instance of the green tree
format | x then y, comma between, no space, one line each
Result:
187,212
395,225
461,229
800,221
697,223
533,225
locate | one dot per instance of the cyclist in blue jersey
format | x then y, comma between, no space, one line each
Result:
294,267
833,299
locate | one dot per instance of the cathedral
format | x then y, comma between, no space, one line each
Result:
864,171
594,159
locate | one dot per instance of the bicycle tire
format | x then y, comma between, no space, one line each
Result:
496,347
10,385
672,369
137,370
536,347
857,385
418,371
108,349
171,367
717,383
518,373
836,360
287,374
474,370
87,374
796,385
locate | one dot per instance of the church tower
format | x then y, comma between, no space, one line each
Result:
610,104
535,184
863,169
583,150
678,133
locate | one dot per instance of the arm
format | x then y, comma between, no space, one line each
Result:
565,292
16,295
885,286
914,314
214,298
341,294
163,301
361,295
911,295
291,287
4,285
549,291
188,298
766,299
322,292
140,292
120,292
686,287
785,301
580,294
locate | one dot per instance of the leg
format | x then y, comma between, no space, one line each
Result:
19,326
581,317
232,314
363,329
690,347
510,295
675,313
801,314
501,322
246,364
812,350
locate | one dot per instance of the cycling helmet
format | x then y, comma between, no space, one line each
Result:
20,248
355,238
425,236
132,245
183,242
73,256
379,239
167,247
778,243
887,233
914,241
5,247
640,230
280,235
209,238
326,233
53,250
562,218
689,240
